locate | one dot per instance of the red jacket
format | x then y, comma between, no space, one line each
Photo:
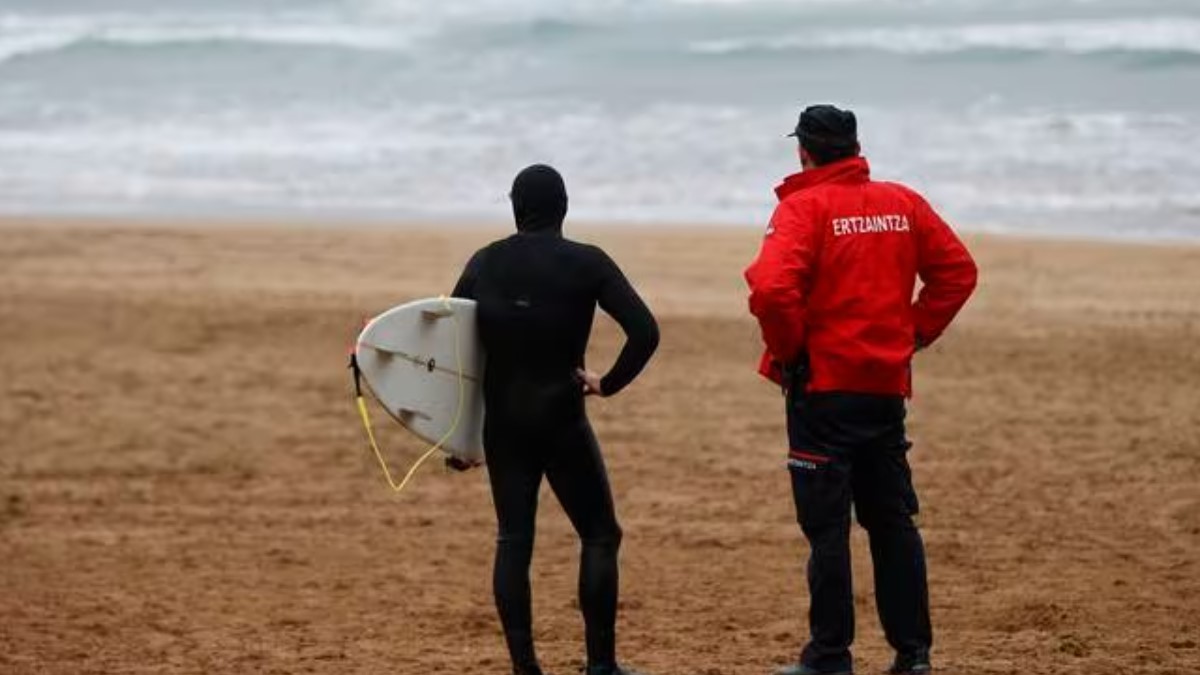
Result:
836,274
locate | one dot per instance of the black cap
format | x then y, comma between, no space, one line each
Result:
827,126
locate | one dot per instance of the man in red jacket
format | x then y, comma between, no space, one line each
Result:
832,289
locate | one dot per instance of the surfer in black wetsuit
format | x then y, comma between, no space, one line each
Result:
537,295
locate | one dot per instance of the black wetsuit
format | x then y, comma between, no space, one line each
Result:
537,295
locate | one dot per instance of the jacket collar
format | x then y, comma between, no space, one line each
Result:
846,171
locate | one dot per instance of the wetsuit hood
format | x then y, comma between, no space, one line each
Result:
539,199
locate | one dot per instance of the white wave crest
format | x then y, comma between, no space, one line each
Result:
1162,34
24,35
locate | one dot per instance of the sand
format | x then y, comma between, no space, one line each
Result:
184,487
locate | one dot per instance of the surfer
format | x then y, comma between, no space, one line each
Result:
832,289
537,293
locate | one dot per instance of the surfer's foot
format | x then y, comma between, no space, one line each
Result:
611,670
917,666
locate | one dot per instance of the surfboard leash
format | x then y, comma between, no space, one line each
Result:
365,415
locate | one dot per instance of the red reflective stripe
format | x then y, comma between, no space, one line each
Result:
797,454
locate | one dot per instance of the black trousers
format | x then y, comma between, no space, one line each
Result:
569,457
850,449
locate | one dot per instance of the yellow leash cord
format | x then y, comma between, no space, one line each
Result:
366,417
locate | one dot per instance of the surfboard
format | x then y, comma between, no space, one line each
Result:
423,363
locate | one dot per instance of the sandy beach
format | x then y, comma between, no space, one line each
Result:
185,487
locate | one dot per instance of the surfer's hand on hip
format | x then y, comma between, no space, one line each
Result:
590,382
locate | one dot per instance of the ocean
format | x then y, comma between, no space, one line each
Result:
1063,118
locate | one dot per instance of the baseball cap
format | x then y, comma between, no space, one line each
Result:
827,126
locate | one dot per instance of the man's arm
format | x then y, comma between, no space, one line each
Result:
779,281
948,276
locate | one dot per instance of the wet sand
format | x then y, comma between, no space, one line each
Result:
184,486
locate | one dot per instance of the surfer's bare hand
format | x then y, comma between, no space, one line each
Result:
459,464
590,382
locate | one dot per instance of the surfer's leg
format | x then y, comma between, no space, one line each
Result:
515,474
576,472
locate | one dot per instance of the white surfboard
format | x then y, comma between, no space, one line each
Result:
412,357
